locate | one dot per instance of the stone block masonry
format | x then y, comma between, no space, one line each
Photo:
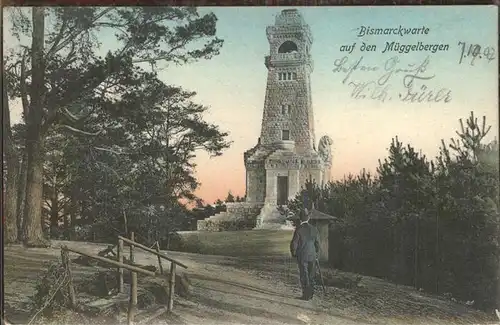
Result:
285,155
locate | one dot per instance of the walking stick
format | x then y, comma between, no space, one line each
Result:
320,276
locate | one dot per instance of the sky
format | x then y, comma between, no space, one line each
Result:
233,83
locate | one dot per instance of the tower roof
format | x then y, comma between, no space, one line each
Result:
289,17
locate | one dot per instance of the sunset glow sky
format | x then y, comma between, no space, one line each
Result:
233,84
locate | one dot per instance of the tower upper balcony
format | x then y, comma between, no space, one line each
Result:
289,17
287,59
290,25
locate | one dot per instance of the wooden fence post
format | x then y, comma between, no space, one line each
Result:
159,258
67,266
120,269
133,287
172,287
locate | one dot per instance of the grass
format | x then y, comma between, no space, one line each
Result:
236,243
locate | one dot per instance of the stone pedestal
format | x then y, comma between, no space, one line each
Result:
270,218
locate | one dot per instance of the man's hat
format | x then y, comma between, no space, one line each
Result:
304,215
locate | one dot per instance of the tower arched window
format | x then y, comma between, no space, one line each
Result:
287,47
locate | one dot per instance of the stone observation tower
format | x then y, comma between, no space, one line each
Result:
285,155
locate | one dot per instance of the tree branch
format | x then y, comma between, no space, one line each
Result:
48,204
61,207
109,150
73,36
109,168
58,38
70,115
164,57
70,128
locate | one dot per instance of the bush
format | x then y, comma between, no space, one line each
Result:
430,224
48,295
229,225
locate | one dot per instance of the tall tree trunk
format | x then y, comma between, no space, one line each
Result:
12,163
21,201
33,230
84,220
73,206
54,206
33,233
54,213
21,195
66,225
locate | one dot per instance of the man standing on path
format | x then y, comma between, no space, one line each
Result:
305,247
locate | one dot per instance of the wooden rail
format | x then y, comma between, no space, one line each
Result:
152,251
133,285
133,269
115,263
156,252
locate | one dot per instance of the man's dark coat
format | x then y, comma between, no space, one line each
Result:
305,243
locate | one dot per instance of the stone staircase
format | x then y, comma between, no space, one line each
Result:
262,216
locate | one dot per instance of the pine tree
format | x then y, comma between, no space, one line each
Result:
60,76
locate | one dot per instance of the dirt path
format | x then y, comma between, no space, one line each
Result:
250,291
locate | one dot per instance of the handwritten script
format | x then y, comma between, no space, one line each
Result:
391,80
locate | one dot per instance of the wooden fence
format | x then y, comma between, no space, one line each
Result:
121,266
